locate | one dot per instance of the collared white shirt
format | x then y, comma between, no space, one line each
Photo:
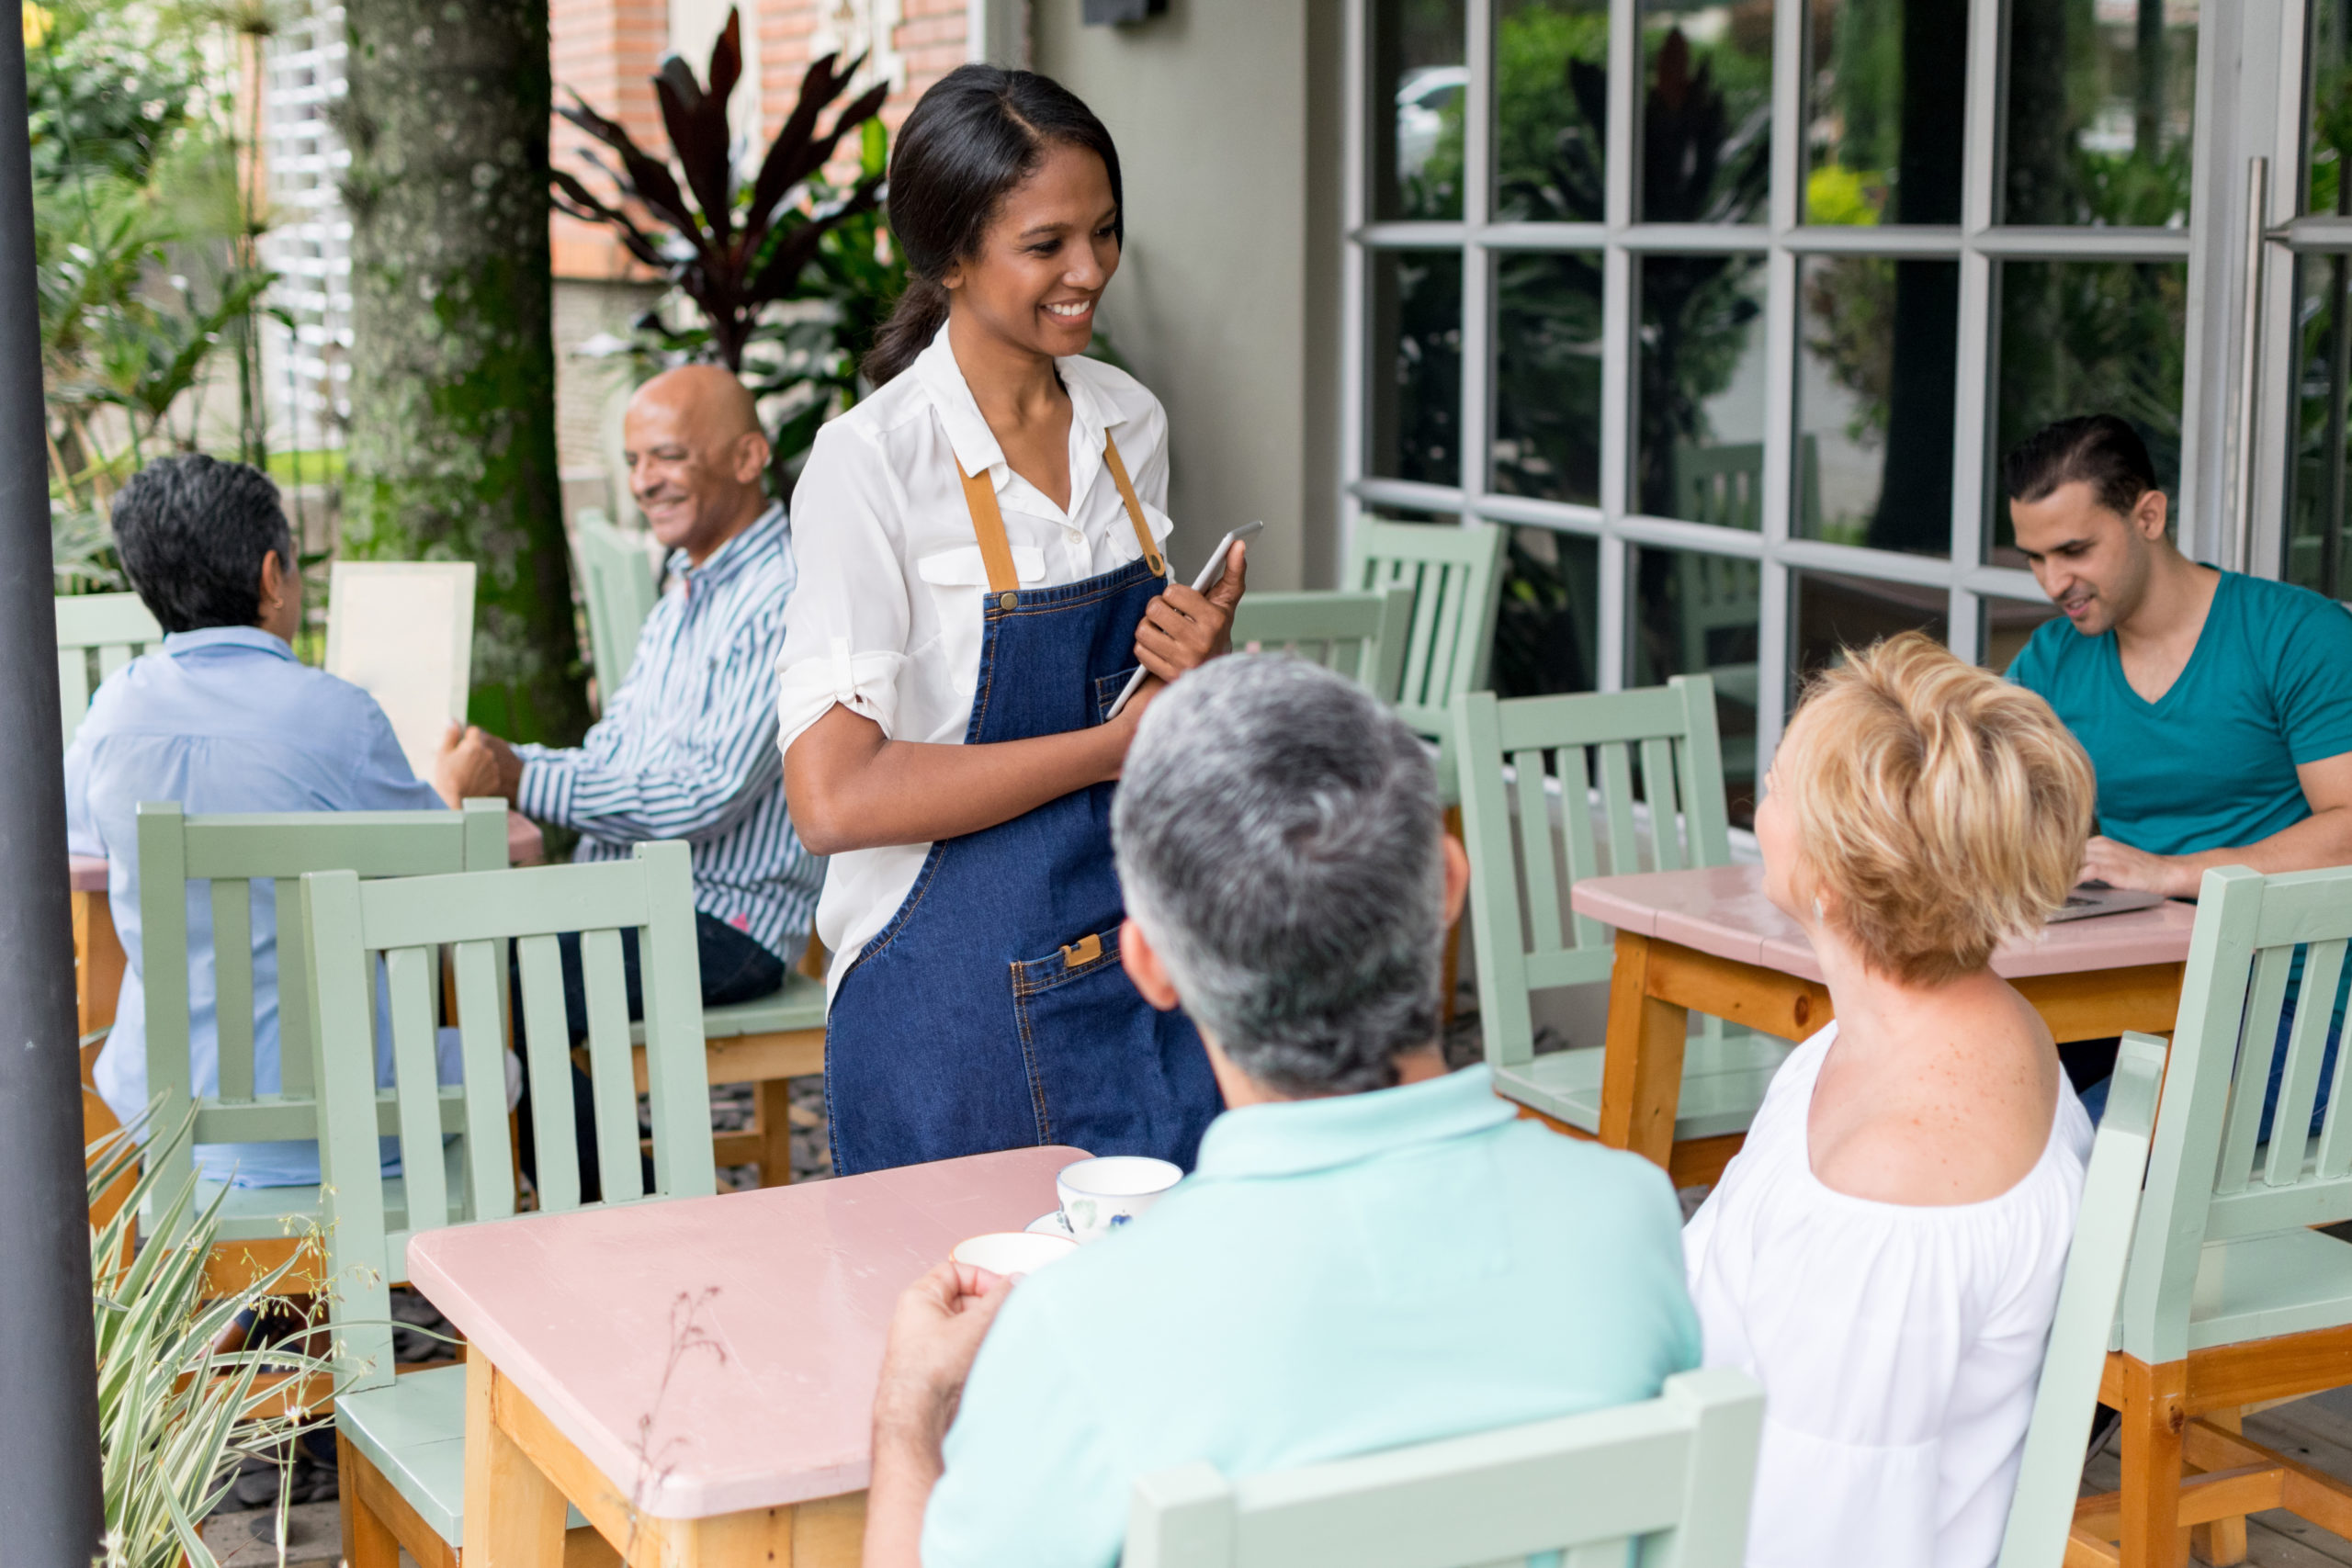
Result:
886,619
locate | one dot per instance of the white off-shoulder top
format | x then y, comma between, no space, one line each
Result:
1898,1346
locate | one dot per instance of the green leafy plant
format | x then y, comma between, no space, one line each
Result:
176,1412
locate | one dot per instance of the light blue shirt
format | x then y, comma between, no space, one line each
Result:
1337,1276
224,719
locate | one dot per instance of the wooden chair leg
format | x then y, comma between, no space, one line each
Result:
367,1541
772,1123
2223,1542
2155,1415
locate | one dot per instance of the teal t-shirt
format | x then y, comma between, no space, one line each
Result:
1337,1276
2211,764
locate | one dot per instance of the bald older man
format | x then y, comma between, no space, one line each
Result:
686,747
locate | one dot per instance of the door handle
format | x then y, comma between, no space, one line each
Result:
2258,186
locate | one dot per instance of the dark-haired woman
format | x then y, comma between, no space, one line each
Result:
981,570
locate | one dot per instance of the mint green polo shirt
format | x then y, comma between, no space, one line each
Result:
1337,1276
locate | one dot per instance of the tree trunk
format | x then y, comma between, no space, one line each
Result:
451,453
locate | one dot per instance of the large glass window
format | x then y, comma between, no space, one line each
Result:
1736,370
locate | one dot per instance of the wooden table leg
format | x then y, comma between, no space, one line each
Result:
514,1513
1641,1077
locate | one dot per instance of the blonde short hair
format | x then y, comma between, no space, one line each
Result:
1940,807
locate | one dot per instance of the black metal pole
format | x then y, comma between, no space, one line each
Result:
51,1515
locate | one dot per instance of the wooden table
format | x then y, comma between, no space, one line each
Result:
697,1377
1709,941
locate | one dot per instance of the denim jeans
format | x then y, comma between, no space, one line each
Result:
734,969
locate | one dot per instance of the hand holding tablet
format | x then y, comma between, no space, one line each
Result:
1210,576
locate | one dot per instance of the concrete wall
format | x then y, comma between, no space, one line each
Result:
1225,115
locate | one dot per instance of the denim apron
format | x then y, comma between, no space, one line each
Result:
992,1013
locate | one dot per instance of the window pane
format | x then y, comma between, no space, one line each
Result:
1878,347
1417,365
2101,102
2088,337
2327,107
2316,537
1834,612
1696,614
1546,639
1551,110
1707,132
1699,445
1547,375
1888,85
2009,625
1419,82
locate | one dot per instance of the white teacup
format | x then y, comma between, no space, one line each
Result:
1011,1252
1100,1195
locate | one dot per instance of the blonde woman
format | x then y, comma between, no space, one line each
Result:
1885,1255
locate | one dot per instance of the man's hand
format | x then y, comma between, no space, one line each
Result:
474,762
2120,865
935,1333
1184,630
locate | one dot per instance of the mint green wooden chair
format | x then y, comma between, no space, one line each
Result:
1456,576
410,1431
106,629
1666,1481
2234,1296
1360,634
766,1043
617,584
2041,1512
262,1226
1528,940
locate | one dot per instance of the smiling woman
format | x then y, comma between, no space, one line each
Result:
982,572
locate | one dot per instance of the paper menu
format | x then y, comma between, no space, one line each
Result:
402,632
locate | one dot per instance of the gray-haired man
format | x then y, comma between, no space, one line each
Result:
1366,1242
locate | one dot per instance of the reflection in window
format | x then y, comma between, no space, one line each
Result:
1419,81
1547,375
2327,108
1696,614
2009,625
1887,96
2102,107
2317,491
1834,612
1551,110
1699,442
2088,337
1707,118
1547,635
1416,365
1878,349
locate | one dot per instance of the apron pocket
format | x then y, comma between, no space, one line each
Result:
1106,692
1063,1005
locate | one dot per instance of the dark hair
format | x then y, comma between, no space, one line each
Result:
2097,449
192,534
977,133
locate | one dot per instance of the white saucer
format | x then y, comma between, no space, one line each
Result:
1049,1223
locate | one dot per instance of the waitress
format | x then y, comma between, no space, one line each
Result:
980,549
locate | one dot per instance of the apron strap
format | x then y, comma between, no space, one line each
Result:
988,522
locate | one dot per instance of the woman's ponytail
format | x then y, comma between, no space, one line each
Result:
914,320
978,132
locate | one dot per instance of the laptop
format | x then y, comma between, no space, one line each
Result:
2097,898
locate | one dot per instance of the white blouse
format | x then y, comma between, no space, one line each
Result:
1898,1346
887,618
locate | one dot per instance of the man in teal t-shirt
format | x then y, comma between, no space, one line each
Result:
2216,707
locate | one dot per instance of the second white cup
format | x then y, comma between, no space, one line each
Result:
1098,1196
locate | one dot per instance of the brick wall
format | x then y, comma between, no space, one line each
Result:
605,51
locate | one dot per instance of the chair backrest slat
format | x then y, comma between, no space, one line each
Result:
616,583
2042,1510
352,924
233,984
115,628
1359,635
2234,994
1674,1474
1518,833
416,1084
1455,575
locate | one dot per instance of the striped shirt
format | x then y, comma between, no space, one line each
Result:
687,747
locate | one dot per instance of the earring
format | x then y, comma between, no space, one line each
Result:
1817,913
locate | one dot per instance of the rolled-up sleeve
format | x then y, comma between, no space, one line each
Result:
846,643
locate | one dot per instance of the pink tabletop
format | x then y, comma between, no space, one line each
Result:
765,1310
525,846
1721,910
